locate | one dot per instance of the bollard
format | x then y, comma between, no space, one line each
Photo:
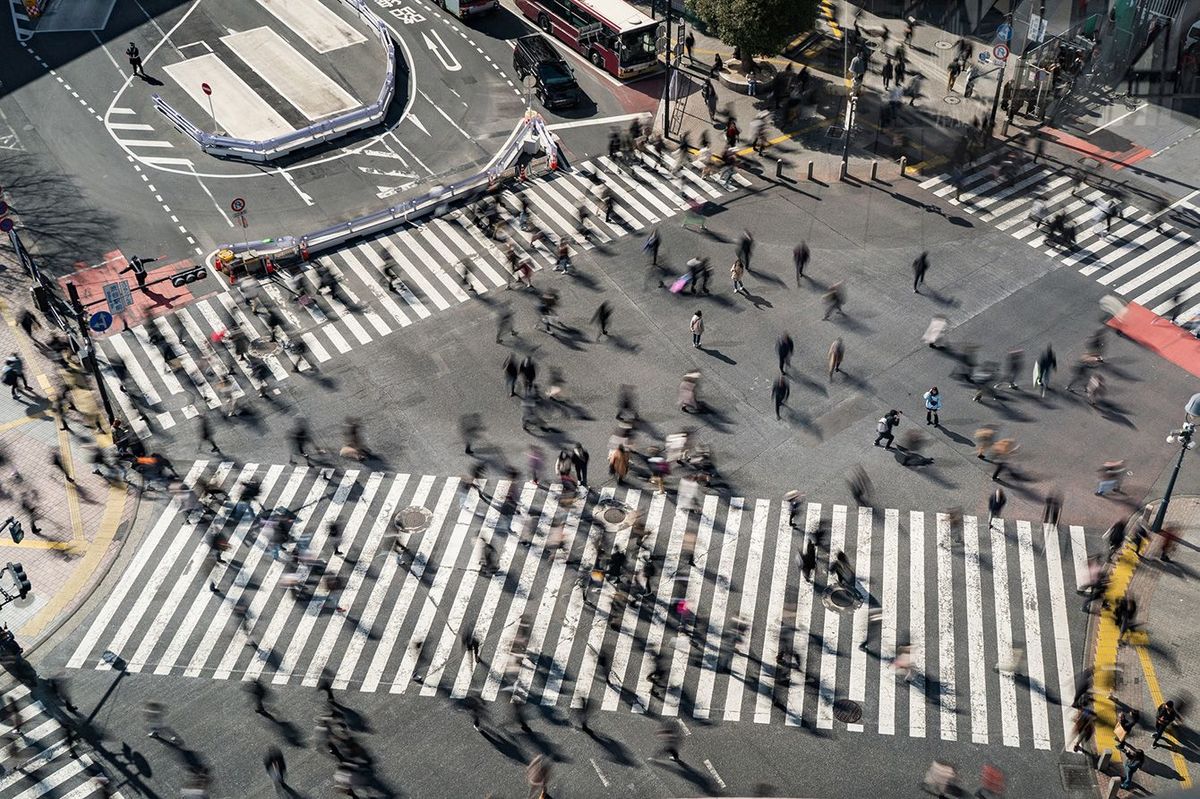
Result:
874,170
810,170
1103,761
903,165
1113,788
842,172
778,167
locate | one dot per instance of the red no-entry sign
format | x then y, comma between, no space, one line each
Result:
204,87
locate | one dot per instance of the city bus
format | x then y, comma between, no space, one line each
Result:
468,8
612,34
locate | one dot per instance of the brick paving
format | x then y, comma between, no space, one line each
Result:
1158,660
80,525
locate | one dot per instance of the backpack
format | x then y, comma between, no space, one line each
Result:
9,375
883,426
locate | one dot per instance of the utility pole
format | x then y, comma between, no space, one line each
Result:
88,354
1182,437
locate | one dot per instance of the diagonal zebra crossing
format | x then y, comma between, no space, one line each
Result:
1142,259
36,757
184,374
936,604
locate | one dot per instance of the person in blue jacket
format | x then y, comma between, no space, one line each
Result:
933,404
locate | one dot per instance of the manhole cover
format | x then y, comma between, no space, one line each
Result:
847,711
413,519
943,45
263,347
614,515
1077,778
841,599
952,99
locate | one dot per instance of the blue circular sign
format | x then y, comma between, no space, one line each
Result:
100,321
1005,32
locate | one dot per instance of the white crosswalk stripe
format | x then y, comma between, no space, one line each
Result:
1143,259
36,758
426,257
729,630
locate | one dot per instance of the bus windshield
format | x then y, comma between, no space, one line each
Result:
637,46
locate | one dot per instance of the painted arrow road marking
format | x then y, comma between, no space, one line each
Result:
448,60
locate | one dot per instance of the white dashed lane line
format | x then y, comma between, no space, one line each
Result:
126,126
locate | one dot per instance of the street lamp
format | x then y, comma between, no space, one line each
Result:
1184,438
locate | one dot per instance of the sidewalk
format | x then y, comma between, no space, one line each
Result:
1158,659
929,134
80,525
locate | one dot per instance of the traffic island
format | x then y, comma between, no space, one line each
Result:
269,79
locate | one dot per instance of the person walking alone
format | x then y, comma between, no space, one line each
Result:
1163,719
697,326
736,272
920,266
800,256
837,351
780,392
784,348
135,60
933,404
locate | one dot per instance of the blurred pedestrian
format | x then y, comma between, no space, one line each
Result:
996,503
670,738
1134,759
836,352
800,257
780,391
697,327
920,266
784,347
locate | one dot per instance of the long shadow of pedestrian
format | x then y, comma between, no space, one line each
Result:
758,301
720,356
695,777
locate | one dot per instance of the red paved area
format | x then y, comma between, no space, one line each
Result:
1160,336
154,301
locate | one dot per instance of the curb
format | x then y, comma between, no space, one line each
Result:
100,576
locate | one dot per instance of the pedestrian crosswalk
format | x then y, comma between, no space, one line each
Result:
178,380
37,758
723,618
1143,259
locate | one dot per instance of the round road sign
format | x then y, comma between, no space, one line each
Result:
100,321
6,225
238,205
204,87
1001,52
3,208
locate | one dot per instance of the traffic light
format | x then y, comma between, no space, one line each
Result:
23,584
14,529
189,276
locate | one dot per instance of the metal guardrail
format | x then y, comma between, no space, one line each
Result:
531,128
317,133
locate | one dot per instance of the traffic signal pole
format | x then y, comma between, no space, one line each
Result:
90,350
